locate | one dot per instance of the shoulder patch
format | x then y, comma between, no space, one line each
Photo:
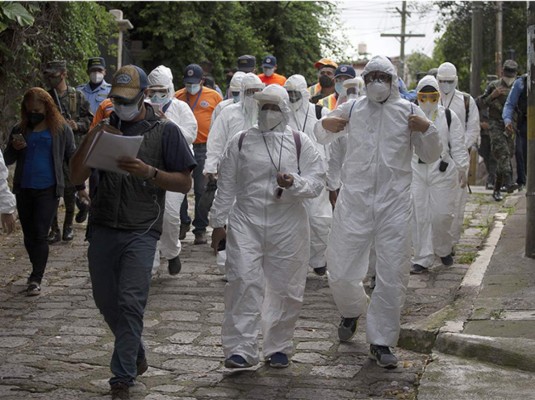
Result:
204,104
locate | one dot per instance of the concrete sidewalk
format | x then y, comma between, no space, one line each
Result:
485,348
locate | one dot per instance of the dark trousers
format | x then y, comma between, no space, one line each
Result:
69,199
521,152
36,208
120,264
488,158
200,222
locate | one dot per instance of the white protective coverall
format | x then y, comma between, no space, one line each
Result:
434,192
303,118
454,100
180,113
374,204
8,204
231,120
267,238
234,86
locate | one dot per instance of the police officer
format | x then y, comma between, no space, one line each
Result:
501,141
76,110
97,89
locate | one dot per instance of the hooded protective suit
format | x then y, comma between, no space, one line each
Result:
235,86
267,237
374,203
454,99
433,190
232,119
180,113
303,119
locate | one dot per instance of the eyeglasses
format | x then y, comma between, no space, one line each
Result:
431,97
122,102
161,94
377,76
445,81
294,96
250,92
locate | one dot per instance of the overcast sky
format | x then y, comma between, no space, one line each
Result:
364,21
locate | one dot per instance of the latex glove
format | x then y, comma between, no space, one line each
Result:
463,180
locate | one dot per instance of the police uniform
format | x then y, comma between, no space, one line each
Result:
97,95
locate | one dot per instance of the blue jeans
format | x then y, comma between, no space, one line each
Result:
200,222
120,264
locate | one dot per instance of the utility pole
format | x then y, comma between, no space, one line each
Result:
477,36
530,177
499,38
404,13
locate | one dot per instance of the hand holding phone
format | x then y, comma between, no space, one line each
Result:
18,141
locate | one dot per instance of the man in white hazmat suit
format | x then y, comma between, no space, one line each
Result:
234,92
434,185
465,107
374,204
303,118
232,119
160,93
264,176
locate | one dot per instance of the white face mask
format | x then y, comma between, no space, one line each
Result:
193,88
378,91
340,89
126,112
159,99
268,71
96,77
269,120
428,107
297,105
446,87
508,80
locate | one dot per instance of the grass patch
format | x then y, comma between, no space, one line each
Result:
466,258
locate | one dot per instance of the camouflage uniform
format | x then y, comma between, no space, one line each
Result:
73,106
502,144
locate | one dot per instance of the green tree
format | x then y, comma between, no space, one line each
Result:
418,63
455,44
179,33
33,33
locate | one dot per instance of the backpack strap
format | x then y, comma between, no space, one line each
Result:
297,140
319,108
240,140
448,117
466,106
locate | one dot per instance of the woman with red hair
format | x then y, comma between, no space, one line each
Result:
39,144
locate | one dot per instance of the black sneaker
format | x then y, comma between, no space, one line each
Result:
383,356
174,266
496,195
120,391
81,216
320,271
347,328
447,261
279,360
418,269
489,186
237,361
68,233
521,187
54,236
142,366
184,228
33,289
200,238
511,187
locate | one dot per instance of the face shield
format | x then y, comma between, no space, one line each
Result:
250,85
298,95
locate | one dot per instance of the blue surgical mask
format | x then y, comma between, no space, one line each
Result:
235,96
193,88
340,89
159,99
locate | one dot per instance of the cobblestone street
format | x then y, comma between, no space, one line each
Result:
56,346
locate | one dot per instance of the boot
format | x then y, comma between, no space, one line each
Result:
496,195
54,236
68,234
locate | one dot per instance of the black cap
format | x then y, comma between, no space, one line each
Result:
193,73
96,62
246,63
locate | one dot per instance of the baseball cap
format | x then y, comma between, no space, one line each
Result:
345,70
325,62
246,63
128,82
193,73
269,62
509,68
55,66
96,63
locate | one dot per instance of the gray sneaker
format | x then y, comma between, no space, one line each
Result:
383,356
347,328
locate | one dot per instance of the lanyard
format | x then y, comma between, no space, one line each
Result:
304,123
196,100
269,153
449,104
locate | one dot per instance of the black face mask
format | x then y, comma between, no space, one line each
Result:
35,119
326,81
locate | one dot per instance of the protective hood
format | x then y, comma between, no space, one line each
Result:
299,84
447,72
383,64
235,82
275,94
427,80
162,76
249,105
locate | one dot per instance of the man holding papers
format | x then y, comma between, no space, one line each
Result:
126,216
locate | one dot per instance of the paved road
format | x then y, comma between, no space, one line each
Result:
56,346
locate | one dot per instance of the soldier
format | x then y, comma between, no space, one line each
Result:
501,140
75,108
